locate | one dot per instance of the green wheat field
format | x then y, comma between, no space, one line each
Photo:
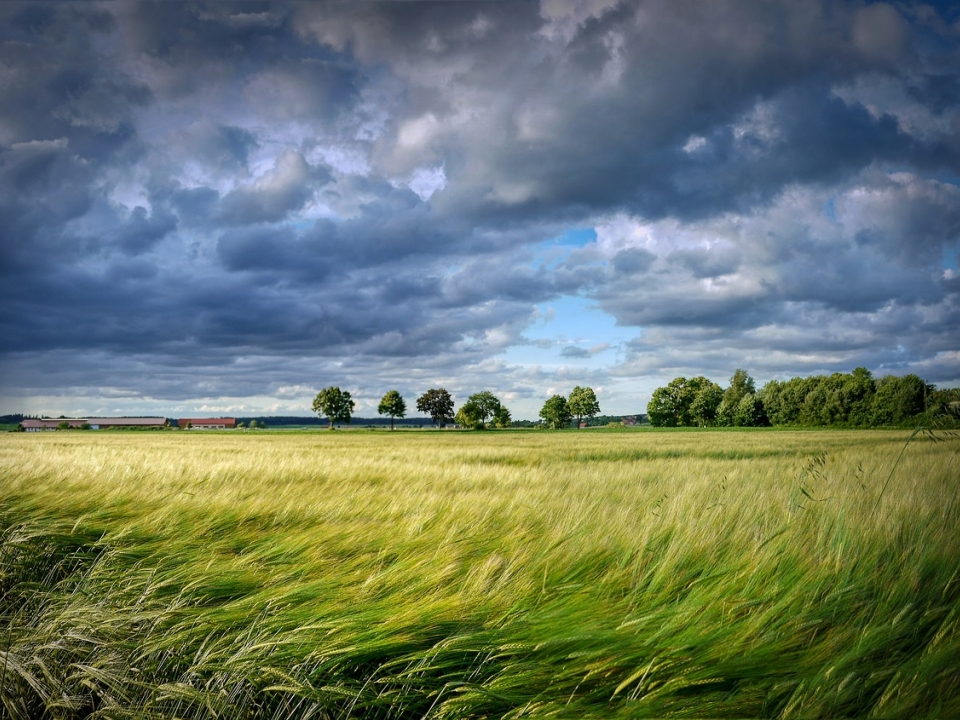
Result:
575,574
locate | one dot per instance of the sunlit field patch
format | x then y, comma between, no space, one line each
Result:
498,574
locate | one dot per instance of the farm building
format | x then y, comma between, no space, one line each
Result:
138,422
32,425
208,423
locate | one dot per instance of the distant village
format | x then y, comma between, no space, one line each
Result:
132,423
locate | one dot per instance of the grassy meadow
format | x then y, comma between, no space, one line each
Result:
590,574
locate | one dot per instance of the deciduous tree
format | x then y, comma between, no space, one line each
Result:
556,412
438,404
663,410
702,398
750,412
740,384
392,404
783,401
501,418
899,399
685,403
468,416
583,403
484,404
335,403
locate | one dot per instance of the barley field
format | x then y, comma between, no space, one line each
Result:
591,574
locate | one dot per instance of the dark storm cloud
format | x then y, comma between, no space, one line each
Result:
652,103
705,262
285,189
194,205
57,84
940,93
901,339
224,147
269,249
220,183
43,186
141,232
633,260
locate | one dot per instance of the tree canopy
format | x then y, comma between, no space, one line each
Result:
334,403
487,404
468,416
438,404
556,412
479,407
392,404
583,403
853,399
501,418
741,385
685,403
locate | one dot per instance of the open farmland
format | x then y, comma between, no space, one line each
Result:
501,574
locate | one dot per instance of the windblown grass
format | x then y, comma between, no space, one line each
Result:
450,575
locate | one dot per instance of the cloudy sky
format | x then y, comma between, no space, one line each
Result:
223,207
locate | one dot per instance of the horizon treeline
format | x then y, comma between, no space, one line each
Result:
855,399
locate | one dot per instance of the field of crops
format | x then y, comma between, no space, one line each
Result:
500,574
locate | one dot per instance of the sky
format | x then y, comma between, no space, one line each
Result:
221,208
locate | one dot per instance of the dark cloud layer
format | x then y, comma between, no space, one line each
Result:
248,200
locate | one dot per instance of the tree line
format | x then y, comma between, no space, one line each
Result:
854,399
337,405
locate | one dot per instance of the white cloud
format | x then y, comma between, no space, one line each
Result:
57,144
418,132
427,181
694,143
